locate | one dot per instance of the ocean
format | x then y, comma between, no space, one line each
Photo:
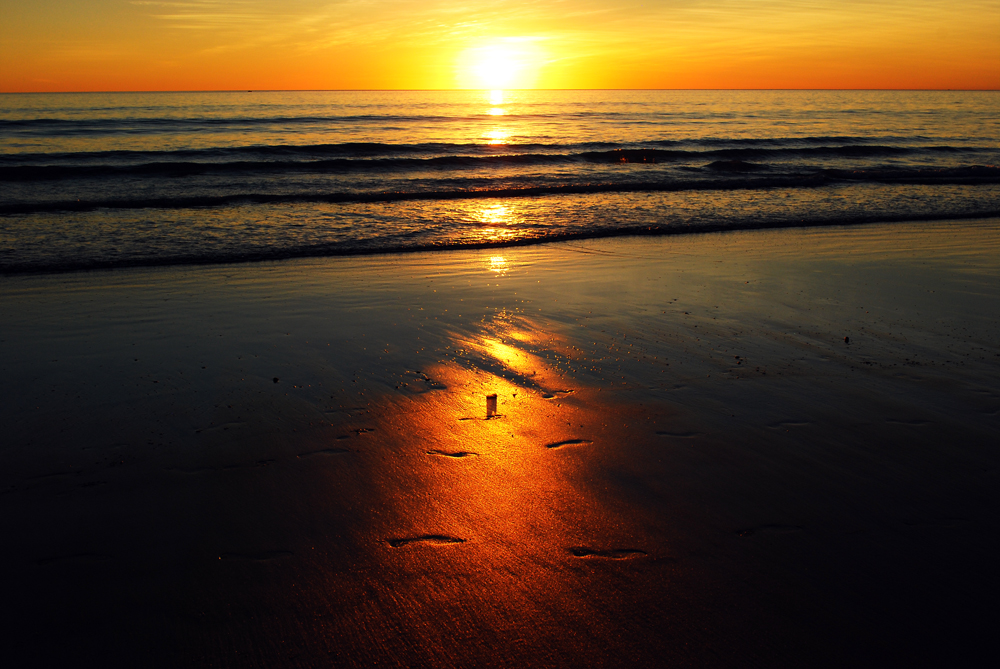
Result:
97,180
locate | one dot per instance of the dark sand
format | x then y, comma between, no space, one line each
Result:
288,464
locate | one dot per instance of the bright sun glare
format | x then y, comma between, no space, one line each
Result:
497,67
506,65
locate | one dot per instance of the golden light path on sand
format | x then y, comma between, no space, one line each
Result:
464,524
489,522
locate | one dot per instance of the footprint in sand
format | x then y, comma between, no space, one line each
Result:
432,539
551,395
456,454
569,442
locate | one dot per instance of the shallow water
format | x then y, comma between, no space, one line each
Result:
92,180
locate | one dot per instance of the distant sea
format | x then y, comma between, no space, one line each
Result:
132,179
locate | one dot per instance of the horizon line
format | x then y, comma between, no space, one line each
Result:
448,90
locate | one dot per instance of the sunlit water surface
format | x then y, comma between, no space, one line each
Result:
91,180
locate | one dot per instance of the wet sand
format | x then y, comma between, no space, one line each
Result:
290,464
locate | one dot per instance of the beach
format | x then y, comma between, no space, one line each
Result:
752,448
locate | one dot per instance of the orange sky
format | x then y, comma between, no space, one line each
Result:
68,45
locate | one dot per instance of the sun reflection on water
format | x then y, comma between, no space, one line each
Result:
497,222
495,214
498,265
496,99
496,136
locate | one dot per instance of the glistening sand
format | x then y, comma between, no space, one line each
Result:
691,465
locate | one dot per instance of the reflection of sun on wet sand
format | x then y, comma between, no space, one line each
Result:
516,482
291,464
514,520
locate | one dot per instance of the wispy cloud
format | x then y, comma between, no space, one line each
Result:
319,23
585,27
213,15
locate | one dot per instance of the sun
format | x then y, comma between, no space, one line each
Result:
508,64
497,68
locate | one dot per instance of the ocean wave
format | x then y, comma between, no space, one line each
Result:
368,157
123,180
117,124
297,152
721,176
596,150
114,123
10,266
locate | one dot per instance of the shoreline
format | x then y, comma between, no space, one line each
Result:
289,464
638,232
